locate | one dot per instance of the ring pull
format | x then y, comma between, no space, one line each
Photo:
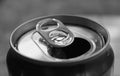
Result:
55,32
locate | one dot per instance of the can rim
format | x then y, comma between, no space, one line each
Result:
98,53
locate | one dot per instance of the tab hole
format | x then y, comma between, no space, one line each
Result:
49,25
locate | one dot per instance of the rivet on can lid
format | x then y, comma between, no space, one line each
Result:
55,32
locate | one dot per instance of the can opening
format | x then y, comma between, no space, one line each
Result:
79,47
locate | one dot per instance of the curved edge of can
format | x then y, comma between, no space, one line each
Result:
107,44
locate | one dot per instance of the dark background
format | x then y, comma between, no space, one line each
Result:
15,12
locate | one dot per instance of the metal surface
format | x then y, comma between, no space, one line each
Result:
39,50
58,36
97,63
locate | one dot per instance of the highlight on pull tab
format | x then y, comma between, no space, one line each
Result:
55,32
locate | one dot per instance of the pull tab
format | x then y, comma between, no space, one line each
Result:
55,32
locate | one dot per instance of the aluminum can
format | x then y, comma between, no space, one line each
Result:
60,45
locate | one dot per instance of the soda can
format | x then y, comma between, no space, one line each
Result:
60,45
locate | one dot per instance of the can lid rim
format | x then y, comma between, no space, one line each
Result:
101,51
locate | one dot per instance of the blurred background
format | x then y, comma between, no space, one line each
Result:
15,12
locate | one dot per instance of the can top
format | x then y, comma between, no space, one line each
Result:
58,37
